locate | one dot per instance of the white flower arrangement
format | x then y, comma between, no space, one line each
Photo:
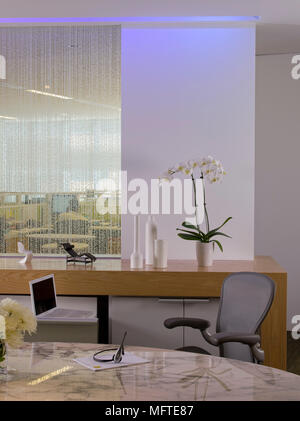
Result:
211,170
18,320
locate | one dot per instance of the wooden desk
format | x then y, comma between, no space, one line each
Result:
182,278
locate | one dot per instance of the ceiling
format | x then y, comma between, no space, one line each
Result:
51,73
278,31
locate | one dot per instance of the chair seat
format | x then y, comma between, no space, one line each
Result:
195,349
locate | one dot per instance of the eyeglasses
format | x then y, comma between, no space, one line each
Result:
116,358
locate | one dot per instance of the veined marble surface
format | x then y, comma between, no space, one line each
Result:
46,372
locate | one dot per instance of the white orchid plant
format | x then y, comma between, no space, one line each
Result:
18,320
208,169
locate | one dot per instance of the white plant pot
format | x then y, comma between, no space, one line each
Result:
204,252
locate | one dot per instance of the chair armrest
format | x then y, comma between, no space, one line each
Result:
244,338
200,324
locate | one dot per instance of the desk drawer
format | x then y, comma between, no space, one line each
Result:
143,319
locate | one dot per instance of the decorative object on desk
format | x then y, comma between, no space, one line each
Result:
211,170
116,358
128,360
160,254
136,258
75,257
28,253
150,237
15,321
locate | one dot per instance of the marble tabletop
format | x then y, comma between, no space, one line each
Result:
47,372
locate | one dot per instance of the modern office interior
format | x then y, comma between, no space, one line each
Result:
148,181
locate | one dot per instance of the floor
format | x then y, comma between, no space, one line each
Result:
293,354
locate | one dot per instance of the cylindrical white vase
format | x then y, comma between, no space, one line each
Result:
204,252
136,258
160,253
150,236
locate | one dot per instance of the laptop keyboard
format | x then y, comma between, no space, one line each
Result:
62,312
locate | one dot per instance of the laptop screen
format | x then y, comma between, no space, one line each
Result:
44,295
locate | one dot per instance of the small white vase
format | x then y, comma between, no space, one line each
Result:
150,237
204,252
136,258
160,254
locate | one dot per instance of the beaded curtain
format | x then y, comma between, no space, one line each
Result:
60,138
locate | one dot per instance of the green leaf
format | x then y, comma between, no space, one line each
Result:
189,237
217,229
218,243
191,226
217,233
197,234
188,225
190,232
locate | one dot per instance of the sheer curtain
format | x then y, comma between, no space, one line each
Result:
60,119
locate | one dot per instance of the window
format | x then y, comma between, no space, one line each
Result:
60,138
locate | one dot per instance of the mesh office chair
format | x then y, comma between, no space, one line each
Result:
246,298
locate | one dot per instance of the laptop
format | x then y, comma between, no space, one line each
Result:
44,303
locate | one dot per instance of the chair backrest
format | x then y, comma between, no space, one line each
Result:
246,298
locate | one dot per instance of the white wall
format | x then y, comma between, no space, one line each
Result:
187,93
277,198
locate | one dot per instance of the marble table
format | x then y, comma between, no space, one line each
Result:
46,372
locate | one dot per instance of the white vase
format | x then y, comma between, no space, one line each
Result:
160,253
150,237
204,252
136,258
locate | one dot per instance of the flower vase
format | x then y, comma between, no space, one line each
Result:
3,362
204,252
136,258
150,237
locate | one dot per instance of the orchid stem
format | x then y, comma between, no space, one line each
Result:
195,202
204,204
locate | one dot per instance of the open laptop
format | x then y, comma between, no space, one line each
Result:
44,303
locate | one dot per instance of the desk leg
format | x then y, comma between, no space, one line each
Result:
103,319
273,329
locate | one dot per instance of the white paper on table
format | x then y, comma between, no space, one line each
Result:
127,359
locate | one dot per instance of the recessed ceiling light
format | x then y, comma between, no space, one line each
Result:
33,91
